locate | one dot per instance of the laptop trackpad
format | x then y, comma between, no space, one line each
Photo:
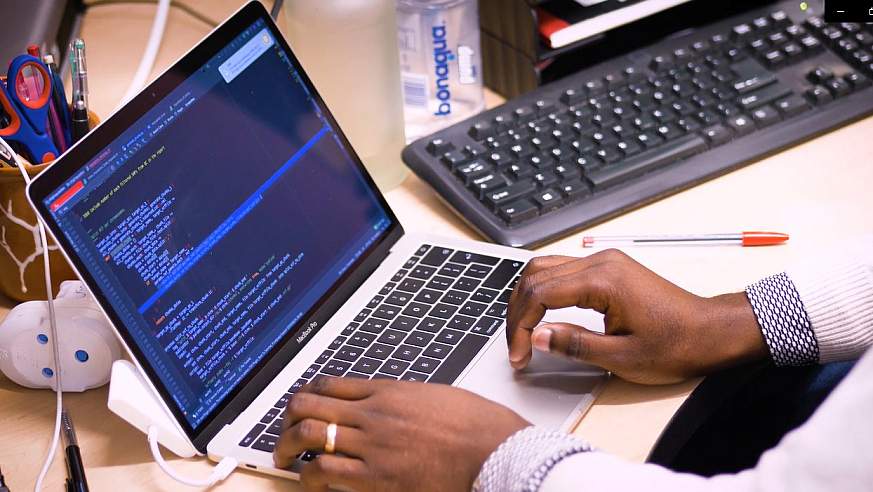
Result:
550,389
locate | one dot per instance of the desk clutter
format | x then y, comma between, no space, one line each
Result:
39,124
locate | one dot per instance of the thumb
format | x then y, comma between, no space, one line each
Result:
580,344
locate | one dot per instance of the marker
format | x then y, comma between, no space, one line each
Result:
76,481
749,238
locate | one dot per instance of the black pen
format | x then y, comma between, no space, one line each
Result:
3,487
75,469
80,120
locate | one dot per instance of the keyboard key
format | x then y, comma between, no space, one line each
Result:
419,338
361,339
387,288
466,258
252,436
440,283
741,124
751,76
764,96
765,116
819,95
325,356
449,336
311,372
498,310
283,401
451,270
487,326
356,375
466,284
367,365
425,365
428,296
374,325
792,106
820,75
379,351
437,350
422,272
394,367
404,323
407,352
416,309
548,200
460,322
410,285
481,130
379,375
442,310
518,212
398,298
410,263
414,376
265,443
349,329
856,80
458,360
838,88
439,146
337,343
399,275
717,135
362,315
504,296
474,309
274,429
349,353
510,193
336,368
503,274
487,295
477,271
392,337
431,325
386,311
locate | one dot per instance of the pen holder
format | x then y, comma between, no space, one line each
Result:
22,276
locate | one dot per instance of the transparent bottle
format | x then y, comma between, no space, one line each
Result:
440,63
349,50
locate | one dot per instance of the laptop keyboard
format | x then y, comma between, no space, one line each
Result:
426,324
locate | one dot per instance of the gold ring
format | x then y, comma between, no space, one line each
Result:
330,439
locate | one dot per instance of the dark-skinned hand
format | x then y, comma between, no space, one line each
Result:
656,332
393,435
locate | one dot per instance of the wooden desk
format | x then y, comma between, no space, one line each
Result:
818,191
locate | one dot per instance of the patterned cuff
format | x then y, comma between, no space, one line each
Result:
521,463
784,321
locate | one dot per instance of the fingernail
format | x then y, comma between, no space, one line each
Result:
542,338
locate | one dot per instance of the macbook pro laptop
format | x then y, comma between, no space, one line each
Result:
239,248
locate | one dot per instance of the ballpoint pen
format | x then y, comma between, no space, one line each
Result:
76,481
59,98
740,238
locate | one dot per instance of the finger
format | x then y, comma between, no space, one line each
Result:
311,435
544,262
311,406
536,294
577,343
342,388
337,471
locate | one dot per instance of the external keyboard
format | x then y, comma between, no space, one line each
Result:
426,324
658,120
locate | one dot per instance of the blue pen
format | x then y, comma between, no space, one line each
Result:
59,100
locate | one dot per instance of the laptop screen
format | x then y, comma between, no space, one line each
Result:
216,221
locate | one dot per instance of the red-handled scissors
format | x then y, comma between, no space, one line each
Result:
25,98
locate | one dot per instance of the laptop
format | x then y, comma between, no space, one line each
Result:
239,248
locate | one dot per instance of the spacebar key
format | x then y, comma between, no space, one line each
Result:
649,161
459,359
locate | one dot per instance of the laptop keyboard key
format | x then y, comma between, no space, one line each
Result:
283,402
416,309
410,263
300,383
455,297
440,283
404,323
503,274
367,365
474,309
336,367
374,325
425,365
504,296
265,443
361,339
398,298
437,350
498,310
459,359
466,258
487,326
431,324
311,371
422,272
274,429
451,270
266,419
374,302
324,357
386,311
349,329
399,275
467,284
437,256
477,271
429,296
419,338
356,375
485,295
337,343
379,375
449,336
392,337
394,367
414,376
362,315
442,310
460,322
349,353
387,288
410,285
407,352
252,436
379,351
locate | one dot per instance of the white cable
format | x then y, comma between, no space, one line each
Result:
221,471
151,51
53,448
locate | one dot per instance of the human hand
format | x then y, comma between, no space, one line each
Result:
656,332
393,435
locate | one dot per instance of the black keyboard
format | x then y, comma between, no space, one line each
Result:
648,124
426,324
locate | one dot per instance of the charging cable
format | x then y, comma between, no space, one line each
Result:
151,51
54,330
224,468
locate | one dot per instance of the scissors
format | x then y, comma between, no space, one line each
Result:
25,99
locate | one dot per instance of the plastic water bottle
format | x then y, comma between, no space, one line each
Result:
440,63
349,50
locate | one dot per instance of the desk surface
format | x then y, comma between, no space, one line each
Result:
817,190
